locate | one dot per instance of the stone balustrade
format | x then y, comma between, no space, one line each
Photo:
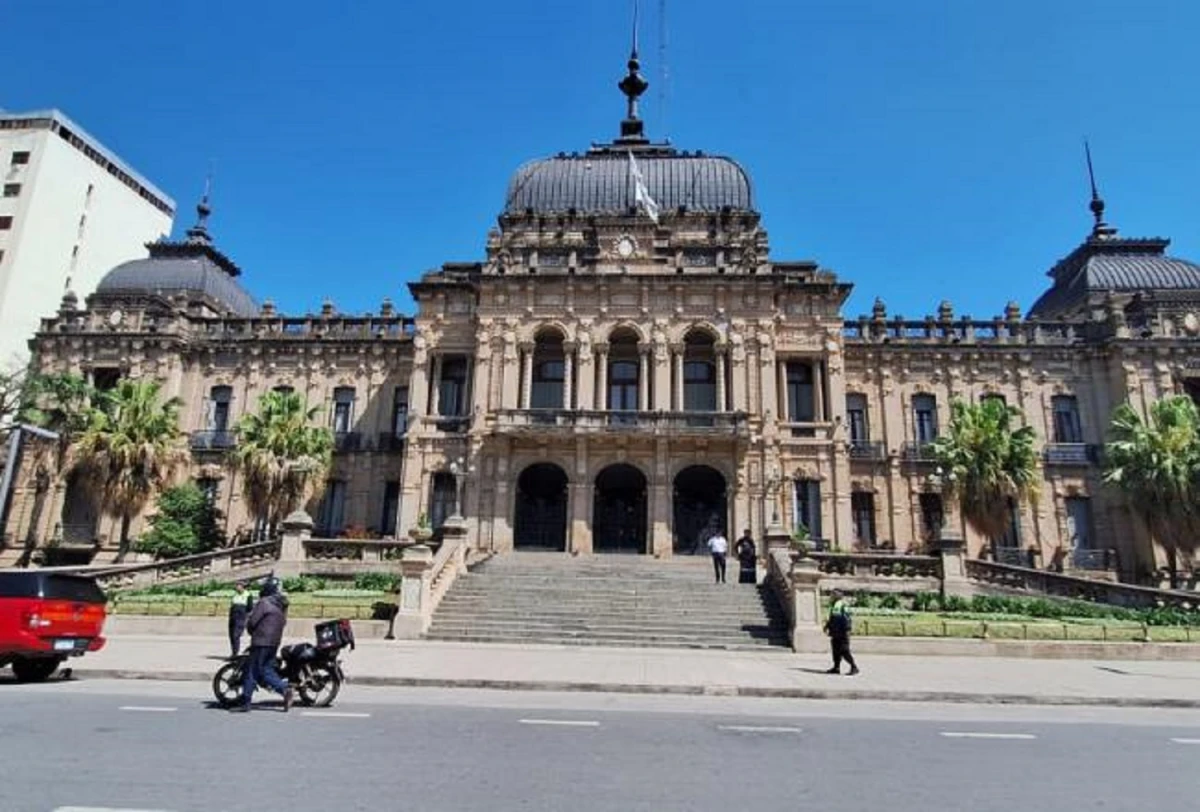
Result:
210,565
589,421
1024,580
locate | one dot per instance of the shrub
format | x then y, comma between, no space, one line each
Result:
186,523
303,583
377,581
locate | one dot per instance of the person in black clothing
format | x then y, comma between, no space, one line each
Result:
838,629
747,558
265,625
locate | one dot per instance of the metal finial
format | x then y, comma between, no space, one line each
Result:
633,86
199,232
1099,228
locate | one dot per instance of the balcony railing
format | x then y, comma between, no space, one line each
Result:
391,441
213,440
348,441
599,422
454,424
867,450
1094,560
919,452
1071,454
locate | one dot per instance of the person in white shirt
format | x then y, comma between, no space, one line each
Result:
718,545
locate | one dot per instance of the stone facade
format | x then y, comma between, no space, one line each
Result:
605,381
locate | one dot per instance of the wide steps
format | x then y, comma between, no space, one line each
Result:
607,601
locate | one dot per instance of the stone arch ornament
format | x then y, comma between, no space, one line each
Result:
619,509
700,508
540,511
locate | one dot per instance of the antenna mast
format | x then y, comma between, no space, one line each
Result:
662,63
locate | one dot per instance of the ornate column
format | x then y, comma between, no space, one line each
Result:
602,389
678,361
644,377
721,401
568,373
781,398
437,385
819,391
526,373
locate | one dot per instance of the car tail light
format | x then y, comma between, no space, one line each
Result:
33,620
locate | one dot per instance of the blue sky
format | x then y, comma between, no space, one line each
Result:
923,150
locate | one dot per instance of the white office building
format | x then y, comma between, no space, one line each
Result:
70,211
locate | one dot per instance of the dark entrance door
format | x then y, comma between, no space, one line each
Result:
619,511
699,509
541,514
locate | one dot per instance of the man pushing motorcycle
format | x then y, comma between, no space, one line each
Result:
265,624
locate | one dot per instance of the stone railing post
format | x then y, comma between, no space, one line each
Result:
297,528
416,573
952,552
805,577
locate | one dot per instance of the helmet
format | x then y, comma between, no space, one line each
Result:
269,587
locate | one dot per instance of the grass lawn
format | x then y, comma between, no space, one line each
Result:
335,603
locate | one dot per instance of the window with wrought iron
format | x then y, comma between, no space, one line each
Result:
452,389
343,409
862,508
1067,427
209,487
856,415
925,423
801,402
333,507
400,411
220,400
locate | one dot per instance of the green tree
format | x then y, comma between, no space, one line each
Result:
59,402
1155,462
129,449
280,455
987,459
185,523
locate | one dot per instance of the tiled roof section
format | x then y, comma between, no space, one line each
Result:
1120,265
166,275
600,182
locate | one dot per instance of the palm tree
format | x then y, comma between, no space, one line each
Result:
988,460
1156,462
129,449
59,402
280,454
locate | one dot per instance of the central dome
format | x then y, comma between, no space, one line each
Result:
601,182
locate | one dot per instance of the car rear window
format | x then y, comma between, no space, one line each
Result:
18,585
72,588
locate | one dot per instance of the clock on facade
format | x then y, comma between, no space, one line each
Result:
626,247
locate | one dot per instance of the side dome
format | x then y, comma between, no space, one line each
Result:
167,275
602,182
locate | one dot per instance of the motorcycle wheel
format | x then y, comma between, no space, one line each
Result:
320,686
227,684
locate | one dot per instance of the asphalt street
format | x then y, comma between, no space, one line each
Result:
102,745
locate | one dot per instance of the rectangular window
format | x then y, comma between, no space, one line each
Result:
862,506
400,411
1067,428
807,505
333,508
20,158
391,509
221,397
208,487
925,425
933,516
12,189
548,377
452,389
856,413
1079,522
801,403
5,223
442,500
343,409
699,386
1012,537
105,378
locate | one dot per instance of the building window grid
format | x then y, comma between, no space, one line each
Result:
925,419
1067,426
856,414
12,189
862,506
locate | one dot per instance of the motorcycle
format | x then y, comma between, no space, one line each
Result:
313,671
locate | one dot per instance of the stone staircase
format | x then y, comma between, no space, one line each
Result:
607,600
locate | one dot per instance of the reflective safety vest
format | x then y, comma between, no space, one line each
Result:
240,599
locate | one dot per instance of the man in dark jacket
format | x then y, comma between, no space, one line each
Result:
265,625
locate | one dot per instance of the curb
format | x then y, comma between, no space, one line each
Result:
876,695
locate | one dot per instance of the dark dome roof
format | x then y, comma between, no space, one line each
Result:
1115,264
600,182
170,275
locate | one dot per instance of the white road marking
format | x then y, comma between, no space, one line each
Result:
954,734
141,709
336,714
1186,741
103,809
757,729
561,722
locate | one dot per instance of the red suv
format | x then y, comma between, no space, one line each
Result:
46,617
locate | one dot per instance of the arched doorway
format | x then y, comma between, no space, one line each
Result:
619,510
700,508
540,521
79,517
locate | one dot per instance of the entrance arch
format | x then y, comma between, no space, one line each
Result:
700,509
619,510
540,522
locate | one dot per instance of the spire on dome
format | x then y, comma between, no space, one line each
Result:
1101,229
633,86
198,234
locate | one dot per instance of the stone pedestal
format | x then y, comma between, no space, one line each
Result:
776,537
805,578
297,527
416,570
952,551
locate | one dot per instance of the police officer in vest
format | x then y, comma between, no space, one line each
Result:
838,629
239,610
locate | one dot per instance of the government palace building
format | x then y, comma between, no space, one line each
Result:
628,369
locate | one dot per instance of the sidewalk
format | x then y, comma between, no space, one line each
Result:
771,673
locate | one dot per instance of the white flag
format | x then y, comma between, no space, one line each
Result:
641,194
